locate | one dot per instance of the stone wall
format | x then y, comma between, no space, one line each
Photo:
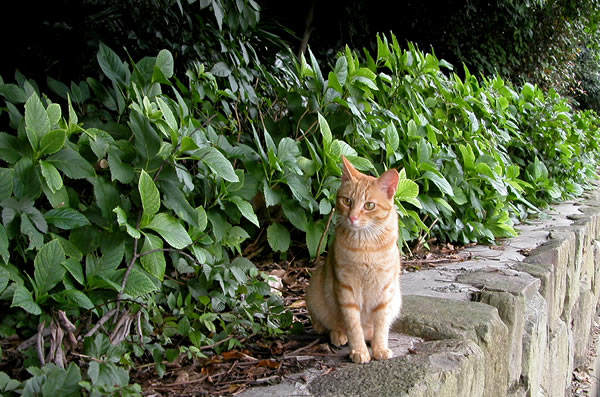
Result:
539,307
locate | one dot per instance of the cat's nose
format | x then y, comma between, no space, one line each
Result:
353,219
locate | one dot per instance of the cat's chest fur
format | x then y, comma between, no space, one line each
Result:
368,268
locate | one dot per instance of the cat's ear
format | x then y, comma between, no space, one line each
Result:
388,181
348,170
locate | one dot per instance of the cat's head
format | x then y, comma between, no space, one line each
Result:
363,201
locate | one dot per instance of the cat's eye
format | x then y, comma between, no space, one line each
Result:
369,205
347,201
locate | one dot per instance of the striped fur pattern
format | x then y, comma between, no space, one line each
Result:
355,294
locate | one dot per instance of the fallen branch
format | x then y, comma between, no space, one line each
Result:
101,322
431,261
33,340
40,343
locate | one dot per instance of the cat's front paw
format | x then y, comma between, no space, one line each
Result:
338,338
382,353
360,356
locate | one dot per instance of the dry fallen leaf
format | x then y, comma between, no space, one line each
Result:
269,364
298,304
182,377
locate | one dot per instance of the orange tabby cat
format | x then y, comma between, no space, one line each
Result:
355,294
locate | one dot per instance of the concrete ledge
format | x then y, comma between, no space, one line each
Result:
439,368
512,322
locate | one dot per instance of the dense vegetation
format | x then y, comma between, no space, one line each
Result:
137,204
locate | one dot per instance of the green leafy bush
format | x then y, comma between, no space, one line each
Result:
134,204
126,210
532,41
470,145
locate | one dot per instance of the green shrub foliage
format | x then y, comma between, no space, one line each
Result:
536,41
133,203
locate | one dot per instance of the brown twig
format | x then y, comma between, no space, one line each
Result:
40,343
33,340
90,357
101,322
68,326
324,234
121,330
292,354
300,120
129,268
430,261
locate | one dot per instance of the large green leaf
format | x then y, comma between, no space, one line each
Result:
165,64
22,298
217,162
13,93
392,139
62,382
147,141
325,132
26,180
167,114
106,196
149,195
139,284
407,189
296,215
468,156
71,163
314,232
119,170
245,208
66,218
319,81
112,66
107,374
6,183
10,148
54,113
153,262
51,176
75,269
4,253
171,230
73,298
175,199
36,239
53,141
4,278
278,237
439,181
122,220
341,70
221,69
37,122
48,270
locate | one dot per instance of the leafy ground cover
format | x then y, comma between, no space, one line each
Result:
146,218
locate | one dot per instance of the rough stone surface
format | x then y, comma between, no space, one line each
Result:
509,291
559,367
555,256
535,340
435,318
444,368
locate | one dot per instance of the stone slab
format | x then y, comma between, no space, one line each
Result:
436,319
445,368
